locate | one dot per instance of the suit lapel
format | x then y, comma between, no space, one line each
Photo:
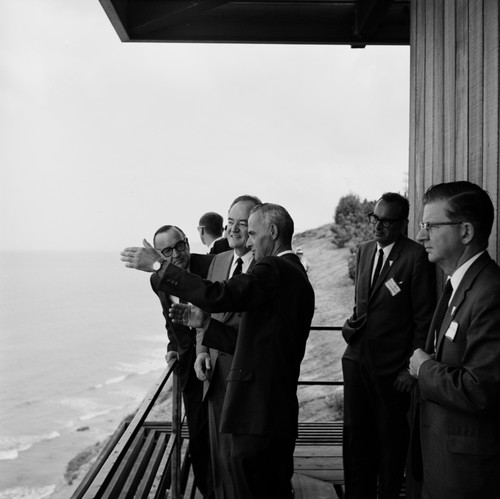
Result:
393,256
226,316
460,294
365,269
222,274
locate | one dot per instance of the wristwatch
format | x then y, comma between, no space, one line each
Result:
157,265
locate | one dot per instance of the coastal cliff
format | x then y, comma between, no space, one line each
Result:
334,300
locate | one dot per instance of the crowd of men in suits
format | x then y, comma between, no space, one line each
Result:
421,377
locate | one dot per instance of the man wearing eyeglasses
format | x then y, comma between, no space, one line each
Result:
173,245
394,302
458,371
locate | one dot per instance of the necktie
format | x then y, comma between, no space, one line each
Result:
238,268
378,268
441,310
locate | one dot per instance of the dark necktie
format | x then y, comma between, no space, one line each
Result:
238,268
378,268
441,310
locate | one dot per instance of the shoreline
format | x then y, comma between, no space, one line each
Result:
334,299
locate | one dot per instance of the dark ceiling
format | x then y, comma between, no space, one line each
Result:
357,22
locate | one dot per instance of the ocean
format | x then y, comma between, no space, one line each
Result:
82,339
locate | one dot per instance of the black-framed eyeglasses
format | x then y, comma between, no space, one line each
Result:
179,246
430,225
386,222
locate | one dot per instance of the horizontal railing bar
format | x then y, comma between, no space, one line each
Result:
326,328
109,461
321,383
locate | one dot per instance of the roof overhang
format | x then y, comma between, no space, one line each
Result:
357,22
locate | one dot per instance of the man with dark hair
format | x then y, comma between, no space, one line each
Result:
394,301
276,300
173,245
210,228
458,371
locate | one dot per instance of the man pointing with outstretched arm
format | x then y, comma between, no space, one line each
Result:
260,410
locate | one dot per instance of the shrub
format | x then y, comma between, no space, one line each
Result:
351,226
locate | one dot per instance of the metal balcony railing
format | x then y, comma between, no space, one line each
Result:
149,459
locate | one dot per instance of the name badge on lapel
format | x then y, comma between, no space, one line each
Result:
392,286
452,331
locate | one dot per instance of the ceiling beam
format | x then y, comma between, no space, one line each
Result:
351,22
369,16
187,13
116,13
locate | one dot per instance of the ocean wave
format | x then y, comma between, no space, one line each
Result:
117,379
92,415
111,381
88,408
10,447
7,455
143,367
27,492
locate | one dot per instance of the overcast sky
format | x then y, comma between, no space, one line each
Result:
101,142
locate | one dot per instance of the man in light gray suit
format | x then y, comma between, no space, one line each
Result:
213,365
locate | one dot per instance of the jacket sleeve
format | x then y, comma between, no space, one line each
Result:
172,342
423,298
240,293
220,336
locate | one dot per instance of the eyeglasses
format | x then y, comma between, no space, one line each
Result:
373,219
179,246
430,225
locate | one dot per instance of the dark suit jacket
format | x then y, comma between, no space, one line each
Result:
220,246
387,326
182,339
277,302
460,391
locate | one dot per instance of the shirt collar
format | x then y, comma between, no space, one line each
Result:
387,249
458,275
246,258
286,252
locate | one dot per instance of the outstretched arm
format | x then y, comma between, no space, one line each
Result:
141,258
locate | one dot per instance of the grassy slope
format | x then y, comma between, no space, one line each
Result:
334,301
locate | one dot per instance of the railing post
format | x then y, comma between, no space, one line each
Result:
176,431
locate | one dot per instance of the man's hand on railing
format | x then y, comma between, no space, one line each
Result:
202,366
171,357
188,315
